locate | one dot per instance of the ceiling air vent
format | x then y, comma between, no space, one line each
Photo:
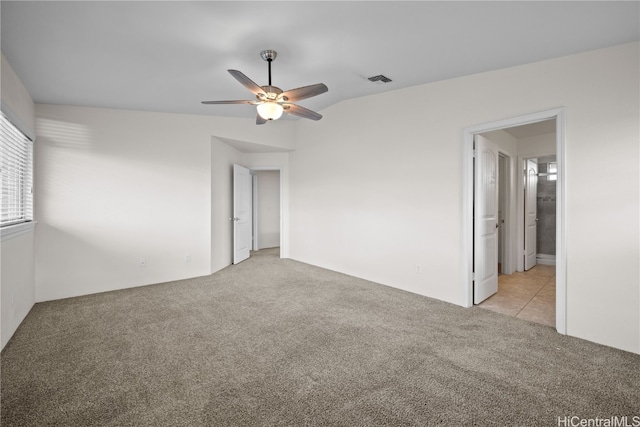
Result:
379,78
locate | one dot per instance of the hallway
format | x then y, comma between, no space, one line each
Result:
529,295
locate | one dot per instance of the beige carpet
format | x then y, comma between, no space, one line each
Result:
277,342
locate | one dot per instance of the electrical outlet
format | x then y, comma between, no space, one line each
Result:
418,268
142,262
187,258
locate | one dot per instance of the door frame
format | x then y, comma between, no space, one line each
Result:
467,205
508,212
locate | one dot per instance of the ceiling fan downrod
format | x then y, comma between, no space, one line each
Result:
269,56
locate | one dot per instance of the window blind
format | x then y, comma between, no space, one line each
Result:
16,167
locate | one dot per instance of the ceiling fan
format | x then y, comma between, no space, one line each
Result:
270,100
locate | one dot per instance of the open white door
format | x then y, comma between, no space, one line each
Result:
242,215
530,213
485,221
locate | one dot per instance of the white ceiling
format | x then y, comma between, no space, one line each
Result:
532,129
169,56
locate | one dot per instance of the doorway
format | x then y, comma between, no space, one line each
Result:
559,278
546,204
266,209
257,210
529,295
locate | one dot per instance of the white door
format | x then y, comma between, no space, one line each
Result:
530,213
242,194
485,221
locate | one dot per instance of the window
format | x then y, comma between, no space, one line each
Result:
552,171
16,167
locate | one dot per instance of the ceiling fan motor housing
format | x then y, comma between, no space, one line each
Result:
272,92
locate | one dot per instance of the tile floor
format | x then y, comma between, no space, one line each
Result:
529,295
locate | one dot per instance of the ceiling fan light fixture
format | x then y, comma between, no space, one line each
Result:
270,100
270,110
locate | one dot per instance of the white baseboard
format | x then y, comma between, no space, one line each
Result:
545,259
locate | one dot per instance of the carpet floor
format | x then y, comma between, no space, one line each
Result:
274,342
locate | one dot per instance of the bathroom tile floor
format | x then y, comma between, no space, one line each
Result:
529,295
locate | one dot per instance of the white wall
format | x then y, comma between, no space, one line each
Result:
374,192
268,232
114,186
17,283
16,100
376,186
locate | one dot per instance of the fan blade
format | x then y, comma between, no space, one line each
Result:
260,120
230,102
297,110
247,82
304,92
